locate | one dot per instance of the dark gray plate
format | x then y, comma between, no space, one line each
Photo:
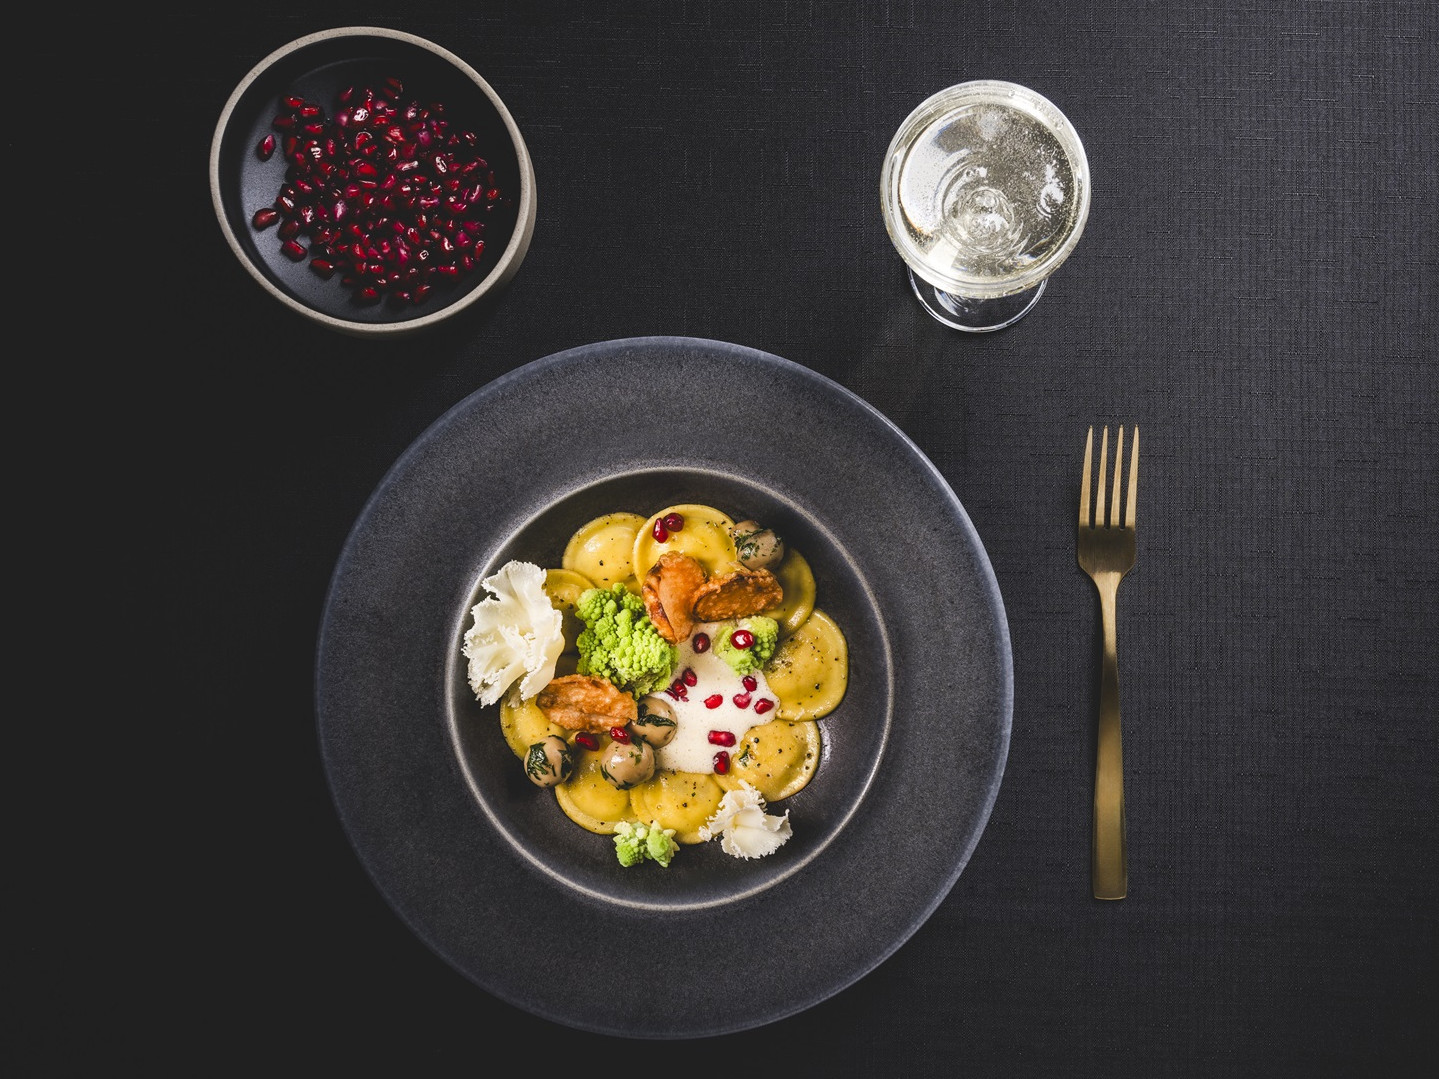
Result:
485,868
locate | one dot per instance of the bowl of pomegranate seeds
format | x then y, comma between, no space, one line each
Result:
372,181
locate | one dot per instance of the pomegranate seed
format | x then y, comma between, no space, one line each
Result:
721,738
714,700
700,642
659,532
588,740
722,762
324,267
674,521
763,705
382,167
749,683
741,638
741,700
689,677
619,734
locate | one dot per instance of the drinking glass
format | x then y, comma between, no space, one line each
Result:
984,192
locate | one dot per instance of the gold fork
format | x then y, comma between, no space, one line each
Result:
1106,552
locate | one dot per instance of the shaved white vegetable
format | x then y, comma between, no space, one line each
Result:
517,634
744,828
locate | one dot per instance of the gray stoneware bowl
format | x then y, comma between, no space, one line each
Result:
484,866
387,234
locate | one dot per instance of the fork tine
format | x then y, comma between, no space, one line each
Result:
1133,481
1100,519
1084,482
1114,503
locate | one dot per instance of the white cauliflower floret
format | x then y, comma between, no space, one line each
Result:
517,634
747,831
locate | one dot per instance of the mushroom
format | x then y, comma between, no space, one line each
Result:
549,761
759,547
625,764
584,702
657,722
736,594
668,592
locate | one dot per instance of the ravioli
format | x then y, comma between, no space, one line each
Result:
679,800
810,669
704,536
523,723
777,758
797,580
588,799
564,587
601,549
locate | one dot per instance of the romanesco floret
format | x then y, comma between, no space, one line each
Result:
636,842
743,661
620,643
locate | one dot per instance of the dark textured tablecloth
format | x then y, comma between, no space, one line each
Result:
1255,288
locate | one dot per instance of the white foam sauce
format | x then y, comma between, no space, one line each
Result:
691,750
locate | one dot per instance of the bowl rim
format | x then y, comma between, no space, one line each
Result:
510,258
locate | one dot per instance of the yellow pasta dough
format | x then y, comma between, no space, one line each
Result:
797,580
523,724
777,758
704,536
683,801
809,671
564,587
588,799
600,550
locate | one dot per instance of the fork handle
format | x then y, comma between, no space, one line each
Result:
1108,861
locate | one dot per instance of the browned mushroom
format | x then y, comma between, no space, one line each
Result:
582,702
737,594
668,590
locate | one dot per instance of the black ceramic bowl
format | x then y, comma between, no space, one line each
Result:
393,193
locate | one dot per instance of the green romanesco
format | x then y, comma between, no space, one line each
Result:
636,842
743,661
620,643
